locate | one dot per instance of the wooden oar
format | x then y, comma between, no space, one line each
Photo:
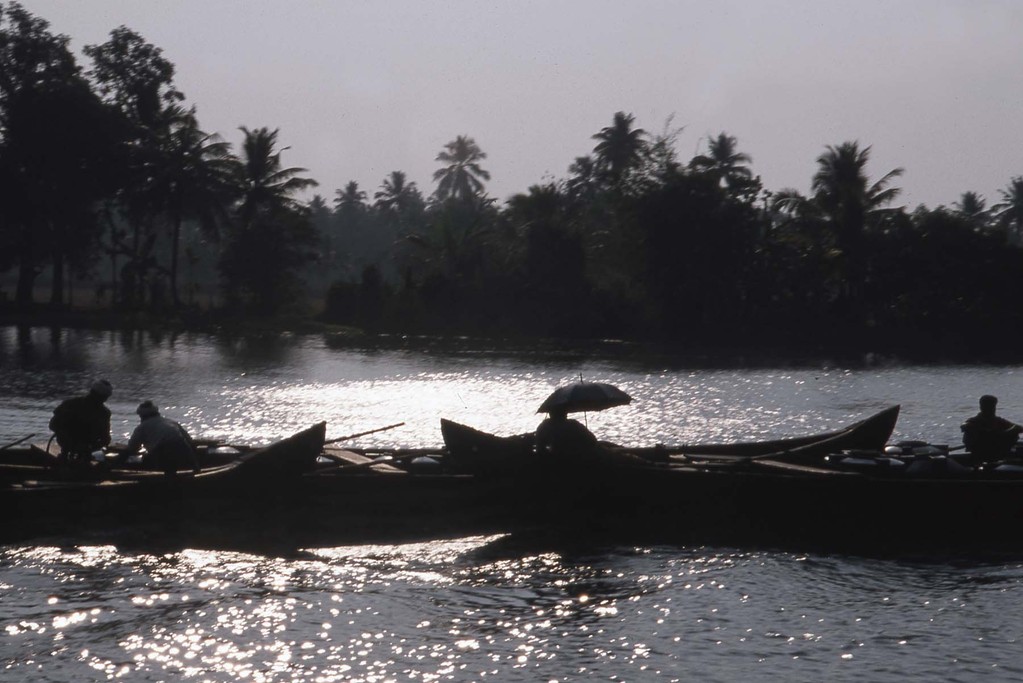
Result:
15,443
372,431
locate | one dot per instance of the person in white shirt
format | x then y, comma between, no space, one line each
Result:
167,443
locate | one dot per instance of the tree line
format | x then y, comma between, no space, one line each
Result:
110,179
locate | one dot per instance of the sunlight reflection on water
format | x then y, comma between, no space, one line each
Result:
486,608
258,390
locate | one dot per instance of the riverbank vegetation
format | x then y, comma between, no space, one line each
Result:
116,201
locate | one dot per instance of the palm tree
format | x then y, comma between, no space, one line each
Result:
620,147
350,210
582,184
972,207
273,238
265,184
194,180
842,191
1009,212
396,194
851,205
723,162
400,204
463,177
350,199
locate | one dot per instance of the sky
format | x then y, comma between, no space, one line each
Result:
362,88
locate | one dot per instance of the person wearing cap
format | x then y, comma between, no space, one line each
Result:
987,436
166,442
81,425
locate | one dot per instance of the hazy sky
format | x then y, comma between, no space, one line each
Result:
359,89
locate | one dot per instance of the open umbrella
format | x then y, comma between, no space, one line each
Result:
580,397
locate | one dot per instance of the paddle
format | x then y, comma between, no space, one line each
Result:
371,431
15,443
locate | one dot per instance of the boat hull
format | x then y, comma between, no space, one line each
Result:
232,494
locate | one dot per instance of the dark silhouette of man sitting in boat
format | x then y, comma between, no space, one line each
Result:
564,439
987,436
568,443
81,425
167,443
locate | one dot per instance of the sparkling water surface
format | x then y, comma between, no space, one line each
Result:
490,608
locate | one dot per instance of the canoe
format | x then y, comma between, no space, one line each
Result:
37,462
764,501
475,451
230,491
870,433
781,499
795,497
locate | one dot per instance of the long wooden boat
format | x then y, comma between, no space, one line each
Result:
231,491
792,497
870,433
41,462
478,452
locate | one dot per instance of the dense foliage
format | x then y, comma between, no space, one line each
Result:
111,183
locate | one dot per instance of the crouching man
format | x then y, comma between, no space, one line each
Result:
167,443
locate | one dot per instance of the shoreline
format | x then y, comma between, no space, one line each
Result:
815,354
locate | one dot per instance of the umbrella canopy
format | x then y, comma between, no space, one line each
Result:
582,397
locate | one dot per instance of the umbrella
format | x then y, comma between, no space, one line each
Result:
584,397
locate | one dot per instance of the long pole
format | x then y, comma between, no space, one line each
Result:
371,431
15,443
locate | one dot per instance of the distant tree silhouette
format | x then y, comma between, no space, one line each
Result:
973,209
57,152
661,156
1008,213
266,185
194,180
353,226
620,148
553,291
724,163
698,245
134,77
261,264
350,199
630,243
462,177
583,183
397,196
272,236
850,206
401,211
455,240
540,204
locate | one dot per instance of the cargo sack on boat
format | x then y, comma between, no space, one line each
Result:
937,465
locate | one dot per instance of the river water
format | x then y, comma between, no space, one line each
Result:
490,608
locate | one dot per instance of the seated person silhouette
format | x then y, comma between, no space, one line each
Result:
563,439
567,443
987,436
